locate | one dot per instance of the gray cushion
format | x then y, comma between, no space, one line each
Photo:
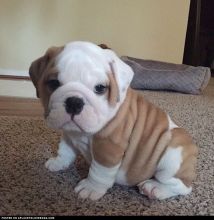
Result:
156,75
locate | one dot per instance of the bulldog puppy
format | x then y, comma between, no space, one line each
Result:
126,139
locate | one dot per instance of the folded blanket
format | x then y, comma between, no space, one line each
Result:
156,75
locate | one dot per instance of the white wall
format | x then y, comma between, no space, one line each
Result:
153,29
150,29
17,88
29,27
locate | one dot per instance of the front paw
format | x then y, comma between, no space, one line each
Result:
87,189
56,163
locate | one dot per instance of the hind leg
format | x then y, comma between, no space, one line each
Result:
159,190
165,184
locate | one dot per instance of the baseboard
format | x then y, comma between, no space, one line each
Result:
16,106
17,87
12,77
13,72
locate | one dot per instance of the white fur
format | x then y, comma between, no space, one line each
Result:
157,190
165,185
81,66
99,180
169,164
123,72
78,60
81,144
95,114
121,178
102,174
172,125
65,156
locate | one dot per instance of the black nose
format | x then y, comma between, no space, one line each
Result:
74,105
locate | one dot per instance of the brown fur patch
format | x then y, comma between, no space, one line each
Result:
113,95
44,69
147,143
138,136
107,152
110,143
133,130
187,170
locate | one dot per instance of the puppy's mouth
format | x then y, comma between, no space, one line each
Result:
57,119
72,120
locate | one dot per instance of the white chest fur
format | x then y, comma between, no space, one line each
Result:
81,144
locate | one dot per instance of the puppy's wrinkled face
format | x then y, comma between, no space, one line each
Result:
80,85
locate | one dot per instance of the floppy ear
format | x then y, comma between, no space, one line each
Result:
104,46
121,72
114,93
37,67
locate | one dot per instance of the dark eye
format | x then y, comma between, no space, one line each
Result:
100,89
53,84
